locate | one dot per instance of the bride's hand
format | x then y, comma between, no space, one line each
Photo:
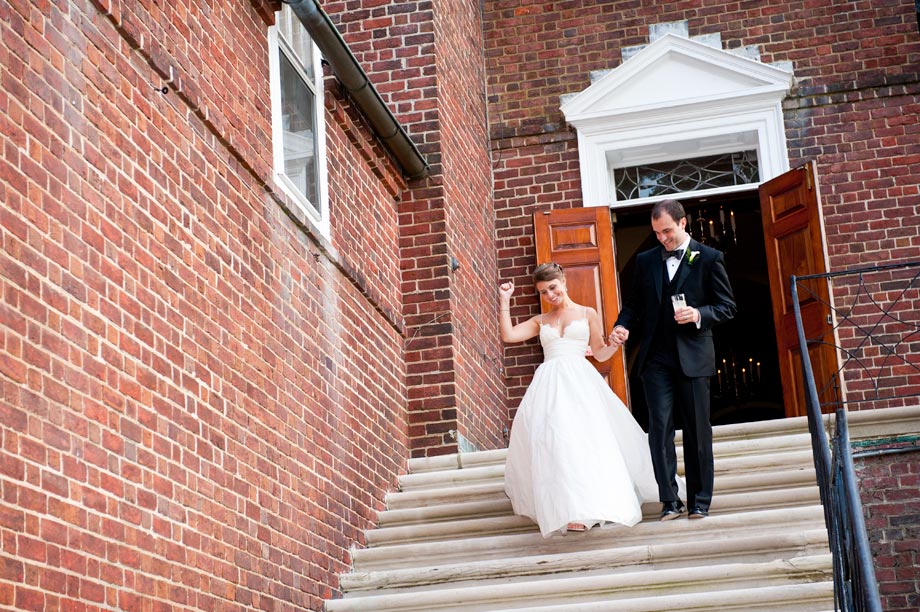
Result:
506,289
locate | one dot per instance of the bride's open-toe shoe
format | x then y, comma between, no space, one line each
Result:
576,527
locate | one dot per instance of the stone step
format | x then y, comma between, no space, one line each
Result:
721,433
489,491
449,542
444,478
726,480
759,429
477,527
757,446
527,541
604,588
803,458
457,461
498,504
492,474
866,423
785,543
807,597
757,454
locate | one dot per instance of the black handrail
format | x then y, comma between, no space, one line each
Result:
855,585
863,588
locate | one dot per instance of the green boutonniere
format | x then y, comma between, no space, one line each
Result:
692,257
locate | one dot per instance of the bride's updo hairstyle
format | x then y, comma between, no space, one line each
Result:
547,272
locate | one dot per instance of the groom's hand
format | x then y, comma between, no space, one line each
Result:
688,314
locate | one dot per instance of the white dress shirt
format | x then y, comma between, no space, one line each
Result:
673,263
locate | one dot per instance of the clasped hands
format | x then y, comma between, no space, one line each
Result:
618,336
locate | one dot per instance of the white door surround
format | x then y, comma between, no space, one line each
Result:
675,99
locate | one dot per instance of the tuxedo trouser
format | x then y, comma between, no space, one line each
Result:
666,389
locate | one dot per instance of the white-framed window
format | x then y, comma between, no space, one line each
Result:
298,135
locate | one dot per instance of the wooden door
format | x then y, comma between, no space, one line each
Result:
794,239
581,241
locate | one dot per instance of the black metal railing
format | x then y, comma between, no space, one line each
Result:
873,325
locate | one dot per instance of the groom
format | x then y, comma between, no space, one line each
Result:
676,355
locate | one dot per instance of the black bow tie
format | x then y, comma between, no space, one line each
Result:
678,253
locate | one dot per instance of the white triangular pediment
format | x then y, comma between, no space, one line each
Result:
676,99
672,72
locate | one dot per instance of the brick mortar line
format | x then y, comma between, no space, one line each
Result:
812,97
323,246
139,571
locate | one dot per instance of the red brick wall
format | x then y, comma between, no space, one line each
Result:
427,64
854,110
202,404
531,175
395,43
889,487
467,172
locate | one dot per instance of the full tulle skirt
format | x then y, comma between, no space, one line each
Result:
576,454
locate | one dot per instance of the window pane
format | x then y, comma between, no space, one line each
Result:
297,116
297,39
686,175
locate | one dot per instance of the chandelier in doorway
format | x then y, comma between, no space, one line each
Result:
715,228
714,225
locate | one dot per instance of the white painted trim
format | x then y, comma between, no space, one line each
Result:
321,222
625,119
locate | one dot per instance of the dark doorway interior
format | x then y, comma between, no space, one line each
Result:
748,386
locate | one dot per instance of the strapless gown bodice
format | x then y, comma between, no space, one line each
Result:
571,342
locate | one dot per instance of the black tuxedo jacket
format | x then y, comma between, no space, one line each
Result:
704,282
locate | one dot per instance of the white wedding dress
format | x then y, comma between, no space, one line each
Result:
576,455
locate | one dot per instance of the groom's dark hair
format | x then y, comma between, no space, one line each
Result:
672,208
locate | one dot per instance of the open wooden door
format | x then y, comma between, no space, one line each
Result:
794,240
581,241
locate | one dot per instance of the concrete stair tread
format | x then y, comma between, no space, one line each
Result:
480,487
787,459
777,428
805,597
772,428
790,456
594,588
804,494
493,501
529,542
441,478
500,505
456,461
494,489
449,541
786,543
737,455
756,446
874,423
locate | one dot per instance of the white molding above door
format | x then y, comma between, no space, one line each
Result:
676,99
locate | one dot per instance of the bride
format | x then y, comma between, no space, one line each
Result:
577,458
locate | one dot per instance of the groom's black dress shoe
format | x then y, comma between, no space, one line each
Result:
698,511
671,510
